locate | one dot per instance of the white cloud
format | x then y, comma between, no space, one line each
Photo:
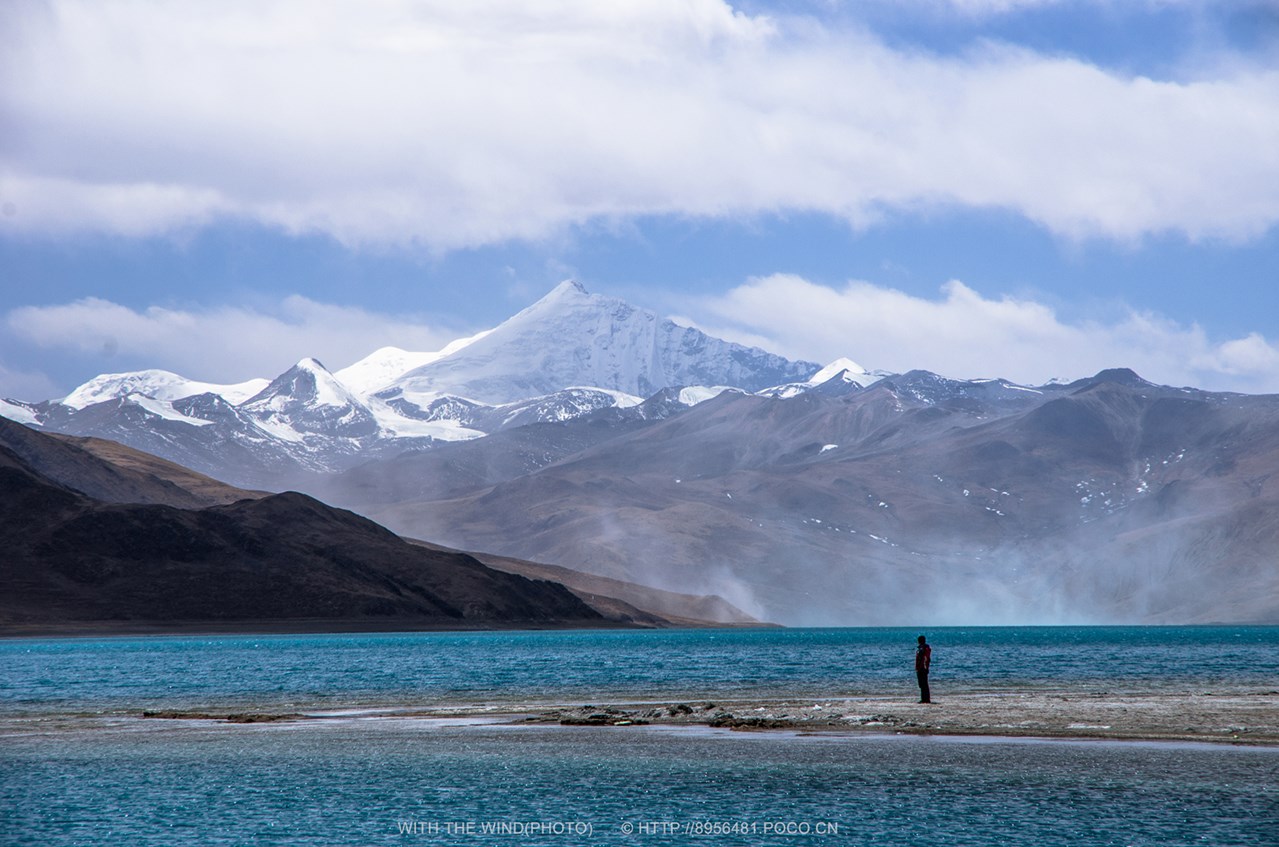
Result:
985,8
452,124
964,334
224,344
21,384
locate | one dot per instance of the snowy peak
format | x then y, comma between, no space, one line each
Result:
308,399
692,395
840,377
307,381
572,337
156,384
569,288
844,369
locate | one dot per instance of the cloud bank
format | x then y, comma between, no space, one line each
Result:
964,334
224,344
447,125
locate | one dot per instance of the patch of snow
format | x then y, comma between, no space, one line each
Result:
396,425
694,394
21,414
276,428
161,409
423,399
621,400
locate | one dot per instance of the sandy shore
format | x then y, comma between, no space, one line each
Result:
1235,716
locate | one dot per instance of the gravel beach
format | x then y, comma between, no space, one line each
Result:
1248,716
1222,715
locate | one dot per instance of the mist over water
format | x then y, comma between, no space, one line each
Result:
1075,583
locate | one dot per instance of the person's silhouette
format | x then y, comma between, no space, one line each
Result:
923,658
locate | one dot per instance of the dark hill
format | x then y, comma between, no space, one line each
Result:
114,473
71,560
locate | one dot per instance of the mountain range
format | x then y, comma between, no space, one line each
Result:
587,434
917,499
571,353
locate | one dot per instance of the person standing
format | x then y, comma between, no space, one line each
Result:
923,658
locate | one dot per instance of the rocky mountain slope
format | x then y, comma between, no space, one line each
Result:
918,499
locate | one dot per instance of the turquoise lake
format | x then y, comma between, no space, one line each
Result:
78,767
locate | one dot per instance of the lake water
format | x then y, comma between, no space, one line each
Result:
76,766
304,671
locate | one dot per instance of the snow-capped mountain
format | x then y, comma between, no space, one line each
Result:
380,368
158,385
307,399
387,364
569,355
571,337
841,376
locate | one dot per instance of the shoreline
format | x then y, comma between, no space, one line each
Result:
303,626
1249,716
349,626
1236,716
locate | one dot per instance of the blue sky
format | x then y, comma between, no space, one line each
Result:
1026,188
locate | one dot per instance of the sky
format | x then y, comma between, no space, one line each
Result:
1032,189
